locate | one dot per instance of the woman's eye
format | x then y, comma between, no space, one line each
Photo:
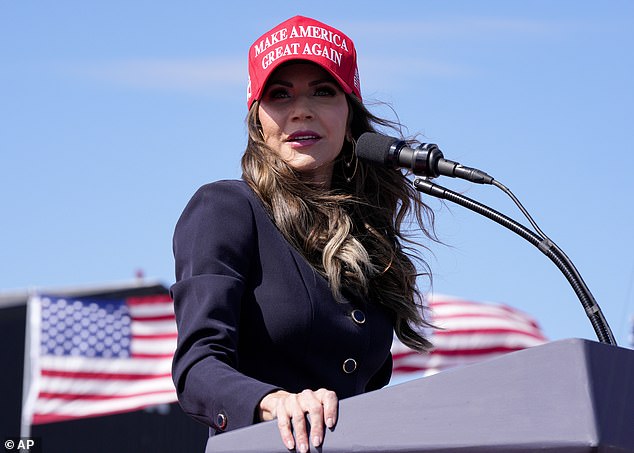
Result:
325,91
278,93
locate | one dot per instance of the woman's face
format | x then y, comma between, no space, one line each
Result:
304,114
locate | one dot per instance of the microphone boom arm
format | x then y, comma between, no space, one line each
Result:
544,244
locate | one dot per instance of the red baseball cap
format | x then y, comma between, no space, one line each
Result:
303,38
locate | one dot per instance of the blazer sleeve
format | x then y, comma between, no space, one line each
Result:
213,241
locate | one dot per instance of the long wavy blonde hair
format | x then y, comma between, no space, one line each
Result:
353,233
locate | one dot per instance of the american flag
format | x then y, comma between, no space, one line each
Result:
468,332
93,357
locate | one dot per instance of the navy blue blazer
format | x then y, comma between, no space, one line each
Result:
254,317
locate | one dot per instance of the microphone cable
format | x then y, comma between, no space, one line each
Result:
538,239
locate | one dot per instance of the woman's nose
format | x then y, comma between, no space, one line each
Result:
302,108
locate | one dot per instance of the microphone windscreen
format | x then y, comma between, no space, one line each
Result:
374,147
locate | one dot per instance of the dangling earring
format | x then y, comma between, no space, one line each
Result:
352,163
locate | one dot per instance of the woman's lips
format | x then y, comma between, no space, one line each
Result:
300,139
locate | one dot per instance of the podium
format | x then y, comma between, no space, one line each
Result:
565,396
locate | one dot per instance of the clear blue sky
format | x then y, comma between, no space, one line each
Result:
113,113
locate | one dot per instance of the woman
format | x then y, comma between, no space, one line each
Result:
291,282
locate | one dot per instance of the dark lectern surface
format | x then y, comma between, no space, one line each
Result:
568,396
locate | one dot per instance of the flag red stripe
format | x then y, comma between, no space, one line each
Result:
482,331
408,369
93,397
151,356
141,318
478,351
90,375
155,299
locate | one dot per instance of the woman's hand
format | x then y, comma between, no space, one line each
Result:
290,409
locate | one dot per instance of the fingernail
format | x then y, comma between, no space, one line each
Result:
290,444
303,448
330,423
316,441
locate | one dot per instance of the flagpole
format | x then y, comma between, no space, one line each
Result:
30,378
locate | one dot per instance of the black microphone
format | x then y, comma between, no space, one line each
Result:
425,160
